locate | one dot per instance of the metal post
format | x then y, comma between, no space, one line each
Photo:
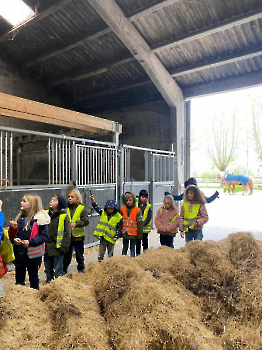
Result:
74,164
18,165
11,159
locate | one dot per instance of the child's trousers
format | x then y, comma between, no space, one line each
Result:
104,244
79,249
20,272
132,247
53,267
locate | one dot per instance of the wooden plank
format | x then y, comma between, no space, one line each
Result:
40,119
55,115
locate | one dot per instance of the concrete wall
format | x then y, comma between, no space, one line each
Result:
14,82
147,125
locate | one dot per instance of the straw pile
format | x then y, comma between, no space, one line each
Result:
207,295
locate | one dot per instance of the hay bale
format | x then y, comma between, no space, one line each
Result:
75,315
203,296
143,313
242,337
244,251
25,323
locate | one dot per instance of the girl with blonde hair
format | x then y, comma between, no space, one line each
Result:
29,232
78,217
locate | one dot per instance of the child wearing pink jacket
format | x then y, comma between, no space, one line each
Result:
167,221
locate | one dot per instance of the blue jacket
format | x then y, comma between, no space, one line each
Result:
2,220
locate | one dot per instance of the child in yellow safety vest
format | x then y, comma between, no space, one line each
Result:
78,217
146,210
59,237
167,221
193,214
109,227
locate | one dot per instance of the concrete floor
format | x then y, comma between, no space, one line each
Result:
227,214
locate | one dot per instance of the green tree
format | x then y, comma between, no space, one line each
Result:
256,109
222,142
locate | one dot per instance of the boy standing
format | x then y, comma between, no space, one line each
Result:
132,224
58,239
147,216
108,228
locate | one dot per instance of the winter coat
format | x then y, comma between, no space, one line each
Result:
200,221
165,222
139,219
42,219
51,249
83,222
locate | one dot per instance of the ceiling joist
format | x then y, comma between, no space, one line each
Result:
179,41
112,14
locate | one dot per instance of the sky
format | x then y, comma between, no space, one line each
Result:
205,109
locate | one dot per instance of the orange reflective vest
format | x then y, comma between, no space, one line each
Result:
129,223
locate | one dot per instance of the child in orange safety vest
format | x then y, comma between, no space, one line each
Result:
132,224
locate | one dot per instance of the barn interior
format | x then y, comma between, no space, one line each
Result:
136,63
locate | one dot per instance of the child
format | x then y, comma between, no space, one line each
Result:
167,221
108,228
193,214
78,217
2,219
30,232
193,181
59,237
132,224
147,216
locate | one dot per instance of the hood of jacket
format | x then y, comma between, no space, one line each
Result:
62,202
42,218
134,198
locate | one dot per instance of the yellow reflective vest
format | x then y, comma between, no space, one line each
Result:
173,219
190,217
76,231
146,228
6,249
61,230
107,229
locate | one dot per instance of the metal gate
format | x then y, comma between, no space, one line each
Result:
48,163
149,169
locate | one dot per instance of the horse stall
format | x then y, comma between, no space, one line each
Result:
48,163
149,169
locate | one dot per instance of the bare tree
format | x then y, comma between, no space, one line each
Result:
222,141
256,108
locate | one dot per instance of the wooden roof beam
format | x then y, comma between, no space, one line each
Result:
94,36
230,23
179,41
112,14
193,69
224,85
16,107
151,9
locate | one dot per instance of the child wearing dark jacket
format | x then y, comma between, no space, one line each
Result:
132,224
146,210
78,217
109,227
59,237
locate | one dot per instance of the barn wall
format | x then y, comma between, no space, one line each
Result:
14,82
147,125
